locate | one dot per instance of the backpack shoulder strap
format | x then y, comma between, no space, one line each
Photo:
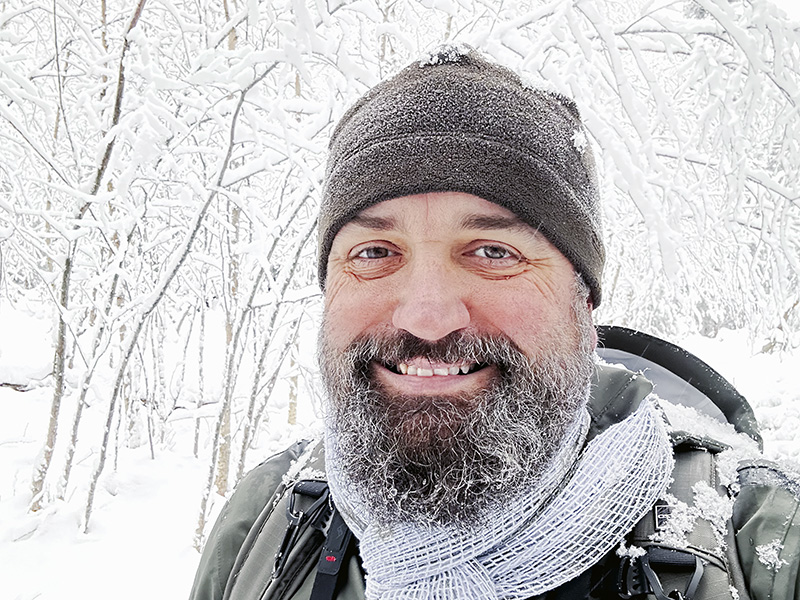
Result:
281,546
298,534
680,549
231,528
615,394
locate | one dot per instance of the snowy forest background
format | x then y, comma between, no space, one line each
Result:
160,169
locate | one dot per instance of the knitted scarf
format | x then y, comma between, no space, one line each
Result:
581,508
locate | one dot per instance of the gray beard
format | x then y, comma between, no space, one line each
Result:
445,459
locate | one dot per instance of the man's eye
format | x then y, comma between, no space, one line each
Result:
493,252
374,252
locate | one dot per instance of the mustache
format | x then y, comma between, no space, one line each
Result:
393,347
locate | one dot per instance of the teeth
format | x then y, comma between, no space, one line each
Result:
407,369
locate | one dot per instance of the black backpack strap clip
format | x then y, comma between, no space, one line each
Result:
637,577
308,503
332,558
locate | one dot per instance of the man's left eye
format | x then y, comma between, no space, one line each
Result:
493,252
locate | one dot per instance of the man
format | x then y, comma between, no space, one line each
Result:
461,257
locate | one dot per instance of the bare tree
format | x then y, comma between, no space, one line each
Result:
161,165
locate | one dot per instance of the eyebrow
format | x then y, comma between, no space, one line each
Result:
488,222
473,221
375,223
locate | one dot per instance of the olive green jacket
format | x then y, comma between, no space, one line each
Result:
759,559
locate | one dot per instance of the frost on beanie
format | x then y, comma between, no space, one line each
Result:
457,122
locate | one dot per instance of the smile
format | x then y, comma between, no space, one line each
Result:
433,370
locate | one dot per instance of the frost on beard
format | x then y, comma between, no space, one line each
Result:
769,555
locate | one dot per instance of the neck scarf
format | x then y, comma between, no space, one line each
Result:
581,508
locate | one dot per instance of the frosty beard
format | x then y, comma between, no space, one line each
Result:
445,459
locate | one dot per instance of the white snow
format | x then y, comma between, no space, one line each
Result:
683,166
714,508
579,140
676,527
769,555
445,53
630,551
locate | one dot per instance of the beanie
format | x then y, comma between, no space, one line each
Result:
457,122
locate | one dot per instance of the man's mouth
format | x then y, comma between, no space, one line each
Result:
428,369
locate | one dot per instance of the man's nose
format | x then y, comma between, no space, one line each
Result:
431,303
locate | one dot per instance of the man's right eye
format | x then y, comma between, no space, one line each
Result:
374,252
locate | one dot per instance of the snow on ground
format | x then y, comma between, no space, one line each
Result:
140,541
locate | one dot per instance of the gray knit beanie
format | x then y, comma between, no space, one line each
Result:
456,122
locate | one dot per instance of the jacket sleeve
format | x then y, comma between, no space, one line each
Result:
235,520
766,521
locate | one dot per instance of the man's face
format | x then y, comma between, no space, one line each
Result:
455,345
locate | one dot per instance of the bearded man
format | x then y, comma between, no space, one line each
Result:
473,448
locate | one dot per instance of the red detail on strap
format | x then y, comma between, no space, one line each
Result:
330,558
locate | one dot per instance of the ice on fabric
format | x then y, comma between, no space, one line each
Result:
630,551
685,420
675,530
579,140
714,508
446,53
769,555
707,504
298,469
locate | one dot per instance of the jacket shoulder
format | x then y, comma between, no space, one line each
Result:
615,394
250,497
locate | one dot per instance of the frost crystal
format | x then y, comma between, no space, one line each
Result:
734,593
708,505
713,508
538,84
630,551
579,140
679,523
769,555
446,53
299,470
310,473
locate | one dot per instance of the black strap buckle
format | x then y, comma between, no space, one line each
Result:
308,503
331,558
637,578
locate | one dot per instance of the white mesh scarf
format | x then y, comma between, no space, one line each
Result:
534,543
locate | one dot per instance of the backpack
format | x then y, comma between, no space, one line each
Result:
317,555
704,563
